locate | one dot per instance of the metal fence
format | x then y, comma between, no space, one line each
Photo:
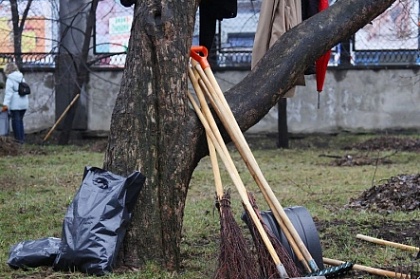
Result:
392,39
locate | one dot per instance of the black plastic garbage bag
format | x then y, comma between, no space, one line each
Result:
96,221
34,253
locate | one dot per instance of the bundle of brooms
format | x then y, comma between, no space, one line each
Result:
235,261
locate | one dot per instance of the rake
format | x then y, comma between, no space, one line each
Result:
371,270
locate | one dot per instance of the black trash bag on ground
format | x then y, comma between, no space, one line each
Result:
34,253
96,221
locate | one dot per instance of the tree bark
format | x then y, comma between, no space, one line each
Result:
154,130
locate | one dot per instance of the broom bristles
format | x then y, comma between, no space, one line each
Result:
235,260
268,268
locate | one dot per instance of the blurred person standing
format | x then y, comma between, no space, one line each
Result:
15,104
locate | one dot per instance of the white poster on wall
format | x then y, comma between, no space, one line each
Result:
112,27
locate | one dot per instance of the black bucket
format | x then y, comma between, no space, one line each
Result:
305,227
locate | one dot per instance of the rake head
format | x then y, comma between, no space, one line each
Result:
334,271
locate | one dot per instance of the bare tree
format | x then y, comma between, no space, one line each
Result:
154,130
18,25
73,64
77,19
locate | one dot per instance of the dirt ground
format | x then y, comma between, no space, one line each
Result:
398,193
8,147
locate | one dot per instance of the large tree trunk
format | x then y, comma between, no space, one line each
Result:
154,130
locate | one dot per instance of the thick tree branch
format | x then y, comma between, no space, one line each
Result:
277,71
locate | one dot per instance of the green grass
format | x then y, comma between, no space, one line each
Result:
37,187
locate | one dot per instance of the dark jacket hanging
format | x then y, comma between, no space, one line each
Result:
309,8
210,12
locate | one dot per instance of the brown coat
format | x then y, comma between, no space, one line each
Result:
276,17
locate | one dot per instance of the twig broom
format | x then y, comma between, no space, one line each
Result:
235,259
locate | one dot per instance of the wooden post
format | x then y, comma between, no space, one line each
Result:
283,135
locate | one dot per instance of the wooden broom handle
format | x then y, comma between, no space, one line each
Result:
61,117
215,168
388,243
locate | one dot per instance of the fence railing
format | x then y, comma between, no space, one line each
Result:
392,39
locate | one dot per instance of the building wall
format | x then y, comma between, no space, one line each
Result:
352,100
